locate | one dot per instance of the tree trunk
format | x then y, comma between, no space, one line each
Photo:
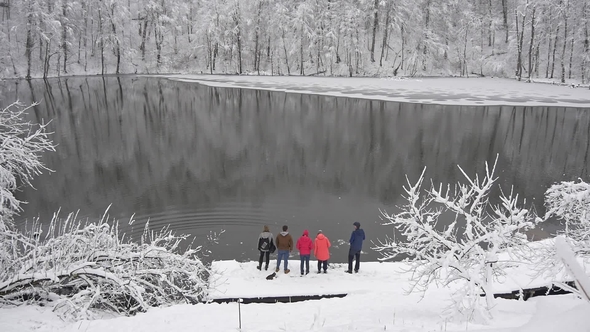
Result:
286,54
505,18
301,71
215,53
256,38
159,39
46,59
519,35
101,36
426,28
385,33
92,36
238,36
29,40
338,50
465,51
586,43
117,45
549,44
375,24
64,33
537,56
569,73
144,36
85,35
554,51
565,17
402,30
41,49
532,43
490,30
189,26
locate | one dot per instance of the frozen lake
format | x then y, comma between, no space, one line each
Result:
204,158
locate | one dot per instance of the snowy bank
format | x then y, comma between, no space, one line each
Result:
444,91
376,302
231,279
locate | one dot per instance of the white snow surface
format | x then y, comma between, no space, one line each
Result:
376,301
443,91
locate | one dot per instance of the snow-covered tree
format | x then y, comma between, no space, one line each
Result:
21,142
566,255
80,265
569,202
454,234
86,265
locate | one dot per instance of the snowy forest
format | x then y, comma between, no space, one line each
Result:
509,38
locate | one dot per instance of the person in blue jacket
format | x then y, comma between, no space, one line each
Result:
356,245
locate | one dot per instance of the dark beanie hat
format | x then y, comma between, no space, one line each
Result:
357,224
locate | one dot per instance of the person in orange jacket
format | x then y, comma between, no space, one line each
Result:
321,251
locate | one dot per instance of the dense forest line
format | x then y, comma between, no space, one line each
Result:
511,38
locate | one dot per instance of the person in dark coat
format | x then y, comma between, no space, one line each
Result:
356,245
265,246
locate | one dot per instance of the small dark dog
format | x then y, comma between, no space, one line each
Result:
271,276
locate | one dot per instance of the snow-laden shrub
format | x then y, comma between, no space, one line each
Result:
83,265
566,255
21,142
466,249
568,202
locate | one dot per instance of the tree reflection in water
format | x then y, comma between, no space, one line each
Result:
204,158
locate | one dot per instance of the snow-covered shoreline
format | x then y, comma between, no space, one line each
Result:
440,91
376,301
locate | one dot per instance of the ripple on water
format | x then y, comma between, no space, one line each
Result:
198,221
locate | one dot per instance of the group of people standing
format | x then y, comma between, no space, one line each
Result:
283,243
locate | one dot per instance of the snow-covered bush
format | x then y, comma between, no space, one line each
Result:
464,247
87,265
21,142
570,202
565,253
82,265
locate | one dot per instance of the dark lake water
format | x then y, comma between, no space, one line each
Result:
206,159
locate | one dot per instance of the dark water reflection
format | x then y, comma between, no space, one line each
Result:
205,159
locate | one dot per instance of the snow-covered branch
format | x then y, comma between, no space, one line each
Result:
568,202
451,234
82,265
87,265
21,142
566,254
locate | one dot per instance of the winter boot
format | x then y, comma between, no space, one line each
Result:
287,271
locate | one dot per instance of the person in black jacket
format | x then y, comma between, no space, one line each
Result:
265,246
356,245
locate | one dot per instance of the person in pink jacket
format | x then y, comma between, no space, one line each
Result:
321,251
304,245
